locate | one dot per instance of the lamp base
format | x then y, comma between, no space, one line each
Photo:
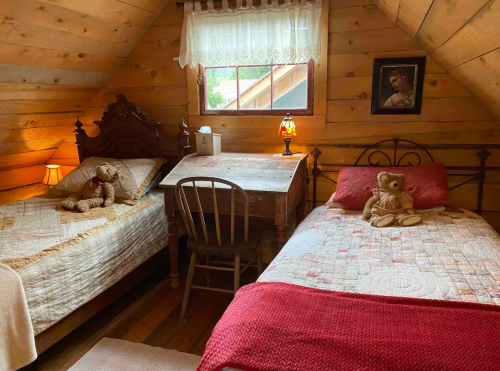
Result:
287,151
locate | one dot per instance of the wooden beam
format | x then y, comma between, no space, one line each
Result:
29,146
477,37
433,109
483,70
361,64
42,75
170,14
444,19
157,76
8,162
28,106
390,7
169,35
435,86
368,17
45,92
56,17
42,57
112,10
19,121
21,177
22,193
12,32
153,6
157,95
411,15
385,40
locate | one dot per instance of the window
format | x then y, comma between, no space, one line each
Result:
274,89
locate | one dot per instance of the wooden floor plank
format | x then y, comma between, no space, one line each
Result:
149,314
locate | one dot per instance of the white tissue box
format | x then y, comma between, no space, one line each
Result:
208,144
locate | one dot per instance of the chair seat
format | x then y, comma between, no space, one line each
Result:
254,236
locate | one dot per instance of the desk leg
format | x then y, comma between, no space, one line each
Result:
282,235
173,246
300,213
173,238
281,219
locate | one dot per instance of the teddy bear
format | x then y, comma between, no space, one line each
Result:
99,191
390,204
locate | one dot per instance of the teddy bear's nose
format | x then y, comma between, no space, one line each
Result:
395,184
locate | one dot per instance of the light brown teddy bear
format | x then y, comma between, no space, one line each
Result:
390,203
99,191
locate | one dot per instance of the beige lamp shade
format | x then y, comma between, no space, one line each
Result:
52,175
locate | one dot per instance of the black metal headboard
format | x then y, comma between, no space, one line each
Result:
404,154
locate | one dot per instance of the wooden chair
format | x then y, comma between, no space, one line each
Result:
207,242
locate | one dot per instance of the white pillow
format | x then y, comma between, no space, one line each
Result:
136,175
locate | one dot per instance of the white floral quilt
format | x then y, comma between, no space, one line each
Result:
451,256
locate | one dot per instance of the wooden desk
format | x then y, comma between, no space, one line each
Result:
275,185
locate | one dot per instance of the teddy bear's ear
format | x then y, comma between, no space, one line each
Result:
380,175
403,177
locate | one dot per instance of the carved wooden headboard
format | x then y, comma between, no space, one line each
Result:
126,132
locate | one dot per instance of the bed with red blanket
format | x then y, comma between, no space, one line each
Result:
342,295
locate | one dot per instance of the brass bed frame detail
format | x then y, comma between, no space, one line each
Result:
373,151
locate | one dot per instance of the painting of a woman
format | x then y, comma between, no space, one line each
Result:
401,81
397,85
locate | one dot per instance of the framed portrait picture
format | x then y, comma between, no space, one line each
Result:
397,86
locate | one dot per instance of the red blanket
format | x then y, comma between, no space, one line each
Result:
278,326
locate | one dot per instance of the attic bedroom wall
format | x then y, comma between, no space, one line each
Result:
55,56
358,32
462,36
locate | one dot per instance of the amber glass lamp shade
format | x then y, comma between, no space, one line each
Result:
287,129
52,175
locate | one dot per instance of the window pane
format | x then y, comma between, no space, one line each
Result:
220,88
290,87
255,87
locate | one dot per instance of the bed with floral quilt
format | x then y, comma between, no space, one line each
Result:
342,295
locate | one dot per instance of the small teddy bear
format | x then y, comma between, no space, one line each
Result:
390,203
99,191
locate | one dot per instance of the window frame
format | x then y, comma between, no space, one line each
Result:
258,112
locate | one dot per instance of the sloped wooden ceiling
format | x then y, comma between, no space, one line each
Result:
462,36
55,55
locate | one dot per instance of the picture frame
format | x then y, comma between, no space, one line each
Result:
397,86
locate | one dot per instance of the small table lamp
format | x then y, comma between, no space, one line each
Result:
52,175
287,129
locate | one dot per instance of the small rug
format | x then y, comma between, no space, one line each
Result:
120,355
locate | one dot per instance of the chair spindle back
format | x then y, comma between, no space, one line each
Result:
185,211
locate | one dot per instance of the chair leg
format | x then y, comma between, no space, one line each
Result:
207,262
259,258
187,290
237,263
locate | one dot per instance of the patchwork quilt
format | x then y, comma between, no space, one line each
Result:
65,258
451,256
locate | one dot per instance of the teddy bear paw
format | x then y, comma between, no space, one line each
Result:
68,204
82,206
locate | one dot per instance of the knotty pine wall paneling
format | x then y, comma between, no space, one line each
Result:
462,36
55,56
358,32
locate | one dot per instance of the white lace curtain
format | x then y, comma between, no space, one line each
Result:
246,35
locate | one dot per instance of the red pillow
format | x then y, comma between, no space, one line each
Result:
427,184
